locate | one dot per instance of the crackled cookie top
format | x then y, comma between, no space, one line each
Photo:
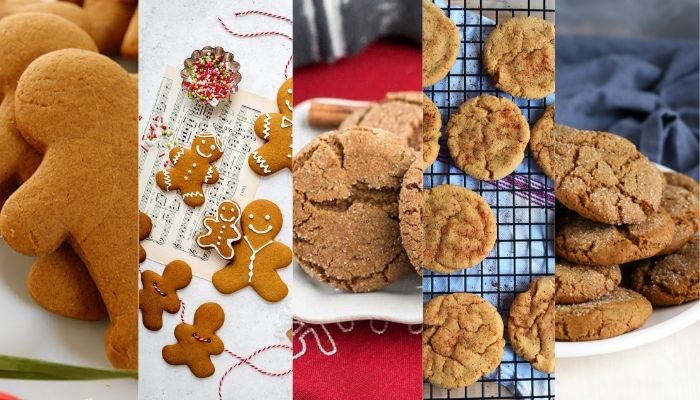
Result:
593,243
531,324
399,113
604,177
346,208
519,56
432,122
440,44
617,312
684,181
684,207
410,210
672,279
542,142
577,283
462,339
459,228
487,136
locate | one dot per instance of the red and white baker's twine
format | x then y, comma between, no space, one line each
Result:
258,34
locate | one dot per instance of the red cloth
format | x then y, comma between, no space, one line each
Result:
365,364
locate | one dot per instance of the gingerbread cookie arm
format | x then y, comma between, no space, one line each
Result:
12,143
212,175
60,283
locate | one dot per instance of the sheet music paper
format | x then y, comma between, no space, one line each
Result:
175,224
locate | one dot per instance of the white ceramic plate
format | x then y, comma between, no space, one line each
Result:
315,302
29,331
664,321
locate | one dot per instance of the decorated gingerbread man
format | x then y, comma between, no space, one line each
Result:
276,129
159,293
222,231
196,343
192,168
258,255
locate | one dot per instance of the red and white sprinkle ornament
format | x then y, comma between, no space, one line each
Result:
211,75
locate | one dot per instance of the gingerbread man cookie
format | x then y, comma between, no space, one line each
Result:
258,255
159,293
222,231
196,343
192,168
79,108
276,129
145,226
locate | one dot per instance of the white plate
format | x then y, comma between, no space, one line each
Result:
29,331
664,321
315,302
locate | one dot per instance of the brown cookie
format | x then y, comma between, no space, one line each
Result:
399,113
487,136
440,44
346,208
671,279
257,256
531,324
684,207
159,293
604,178
684,181
459,228
85,187
587,242
542,142
222,230
196,343
519,56
615,313
581,283
145,226
410,207
276,130
462,339
130,43
109,21
71,12
191,168
432,122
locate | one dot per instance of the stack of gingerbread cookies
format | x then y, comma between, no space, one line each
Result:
619,216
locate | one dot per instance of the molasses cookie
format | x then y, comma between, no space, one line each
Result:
459,228
346,208
684,181
581,283
604,178
671,279
410,206
519,56
617,312
440,44
542,142
531,324
684,208
582,241
432,122
487,136
399,113
462,339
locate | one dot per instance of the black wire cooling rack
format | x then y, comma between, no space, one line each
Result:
522,201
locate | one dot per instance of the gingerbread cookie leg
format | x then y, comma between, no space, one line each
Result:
269,285
109,20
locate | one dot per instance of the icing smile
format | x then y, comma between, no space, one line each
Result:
201,153
260,232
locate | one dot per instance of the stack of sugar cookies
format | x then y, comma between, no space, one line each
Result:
67,170
619,216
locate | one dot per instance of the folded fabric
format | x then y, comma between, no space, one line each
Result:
644,90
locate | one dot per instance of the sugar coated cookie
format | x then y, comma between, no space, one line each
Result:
191,168
222,230
581,283
432,122
440,44
159,293
531,324
519,56
346,208
459,228
684,181
462,339
410,211
542,142
487,136
684,208
196,343
276,130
